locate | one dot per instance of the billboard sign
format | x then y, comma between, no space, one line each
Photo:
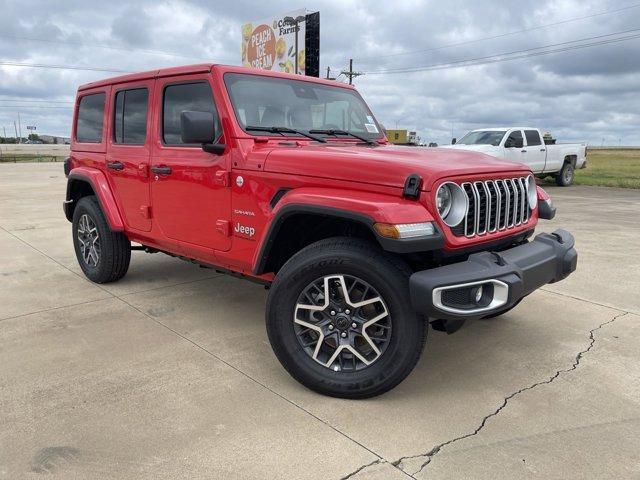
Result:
283,43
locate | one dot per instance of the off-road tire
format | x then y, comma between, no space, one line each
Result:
115,248
564,177
388,275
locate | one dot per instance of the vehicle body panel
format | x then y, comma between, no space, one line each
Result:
189,201
131,182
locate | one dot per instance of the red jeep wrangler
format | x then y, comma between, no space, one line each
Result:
289,181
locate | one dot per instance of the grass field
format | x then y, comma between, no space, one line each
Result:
610,168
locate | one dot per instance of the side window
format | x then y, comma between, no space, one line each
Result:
130,116
515,139
533,137
90,118
180,98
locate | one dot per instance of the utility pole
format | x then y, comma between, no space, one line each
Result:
350,73
19,129
329,77
16,129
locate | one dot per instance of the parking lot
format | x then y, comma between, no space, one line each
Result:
169,374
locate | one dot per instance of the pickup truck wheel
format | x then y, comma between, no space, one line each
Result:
564,177
103,255
339,319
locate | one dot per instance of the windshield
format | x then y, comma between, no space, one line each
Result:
260,101
488,137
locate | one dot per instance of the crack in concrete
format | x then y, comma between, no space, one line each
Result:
435,450
355,472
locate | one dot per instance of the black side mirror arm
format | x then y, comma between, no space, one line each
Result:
215,148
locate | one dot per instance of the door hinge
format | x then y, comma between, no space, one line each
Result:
145,211
224,227
143,170
222,177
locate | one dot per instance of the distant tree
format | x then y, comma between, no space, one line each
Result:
34,136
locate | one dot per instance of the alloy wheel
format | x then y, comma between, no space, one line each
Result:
342,322
89,239
568,174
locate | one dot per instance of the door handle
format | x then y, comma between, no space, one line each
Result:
542,150
523,151
115,166
161,170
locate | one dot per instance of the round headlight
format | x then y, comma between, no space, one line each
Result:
443,200
451,202
532,192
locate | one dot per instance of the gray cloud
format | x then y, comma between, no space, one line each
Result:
582,95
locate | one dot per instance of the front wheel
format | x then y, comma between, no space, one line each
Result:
339,319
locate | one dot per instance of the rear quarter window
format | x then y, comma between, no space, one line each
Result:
90,118
533,137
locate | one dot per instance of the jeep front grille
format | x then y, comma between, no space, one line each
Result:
494,205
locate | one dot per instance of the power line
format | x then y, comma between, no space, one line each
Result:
467,42
529,52
33,101
61,67
35,106
95,45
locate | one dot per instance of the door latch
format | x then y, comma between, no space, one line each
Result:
222,177
224,227
145,211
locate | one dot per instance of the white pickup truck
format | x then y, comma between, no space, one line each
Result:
526,145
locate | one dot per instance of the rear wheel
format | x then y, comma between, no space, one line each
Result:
564,177
103,255
339,319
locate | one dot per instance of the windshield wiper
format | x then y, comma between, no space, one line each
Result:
283,130
335,133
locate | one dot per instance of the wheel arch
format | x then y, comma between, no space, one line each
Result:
85,181
296,225
572,159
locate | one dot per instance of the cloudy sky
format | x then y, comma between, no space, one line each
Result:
582,94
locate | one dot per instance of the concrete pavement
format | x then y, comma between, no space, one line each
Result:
169,374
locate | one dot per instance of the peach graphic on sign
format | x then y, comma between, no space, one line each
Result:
281,47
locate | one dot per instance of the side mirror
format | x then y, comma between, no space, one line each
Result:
454,141
197,127
200,127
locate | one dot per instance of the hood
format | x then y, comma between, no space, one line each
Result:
387,165
488,149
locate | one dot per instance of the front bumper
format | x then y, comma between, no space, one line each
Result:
491,282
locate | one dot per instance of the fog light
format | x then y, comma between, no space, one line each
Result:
477,294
